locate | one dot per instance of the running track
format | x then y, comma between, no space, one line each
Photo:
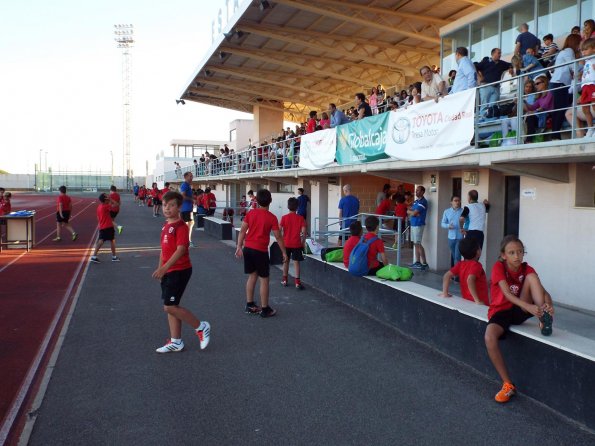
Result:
36,290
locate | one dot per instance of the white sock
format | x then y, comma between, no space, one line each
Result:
176,341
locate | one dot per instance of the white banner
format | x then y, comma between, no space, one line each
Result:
317,150
431,130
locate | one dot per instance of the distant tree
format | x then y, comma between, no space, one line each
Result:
3,172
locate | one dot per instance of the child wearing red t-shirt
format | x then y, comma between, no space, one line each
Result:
174,272
517,295
400,211
355,229
255,232
5,205
377,247
293,227
63,210
474,283
114,197
106,229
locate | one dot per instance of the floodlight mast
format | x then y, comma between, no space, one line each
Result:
125,39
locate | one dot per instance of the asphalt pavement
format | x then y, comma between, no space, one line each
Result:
319,373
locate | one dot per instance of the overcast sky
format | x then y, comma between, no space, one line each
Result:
61,89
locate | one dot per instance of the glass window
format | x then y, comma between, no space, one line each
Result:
484,37
556,17
449,45
512,17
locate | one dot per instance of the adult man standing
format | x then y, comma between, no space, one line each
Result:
526,40
363,108
186,209
433,86
348,207
477,217
417,220
337,116
466,77
491,69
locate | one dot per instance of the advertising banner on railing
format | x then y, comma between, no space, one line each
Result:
317,150
362,141
431,130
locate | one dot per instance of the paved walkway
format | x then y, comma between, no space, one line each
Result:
318,373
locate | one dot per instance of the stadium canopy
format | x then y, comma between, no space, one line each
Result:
298,55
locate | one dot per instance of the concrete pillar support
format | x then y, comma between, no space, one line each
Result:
267,124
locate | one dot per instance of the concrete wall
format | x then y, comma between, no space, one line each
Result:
14,181
267,123
244,131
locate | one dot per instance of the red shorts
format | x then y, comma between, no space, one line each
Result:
588,94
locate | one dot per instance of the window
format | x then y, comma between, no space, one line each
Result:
585,185
512,17
285,188
556,17
587,11
450,43
484,37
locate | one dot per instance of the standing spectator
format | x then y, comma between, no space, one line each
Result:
115,200
252,198
588,83
451,78
549,50
466,77
195,167
380,98
374,101
433,86
382,195
561,80
450,221
187,204
348,208
303,201
526,40
588,29
417,219
363,108
477,217
311,126
491,69
63,210
337,116
325,122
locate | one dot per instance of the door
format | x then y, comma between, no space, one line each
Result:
457,185
511,205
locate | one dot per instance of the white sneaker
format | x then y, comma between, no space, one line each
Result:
170,347
204,334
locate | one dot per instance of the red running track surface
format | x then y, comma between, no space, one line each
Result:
36,289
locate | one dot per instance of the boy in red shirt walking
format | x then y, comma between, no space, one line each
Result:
294,233
106,229
114,196
174,272
64,207
255,231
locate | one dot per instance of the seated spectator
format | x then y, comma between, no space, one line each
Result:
543,104
576,30
355,229
380,98
416,93
526,40
531,63
311,126
549,50
325,122
432,86
510,124
403,98
466,77
588,29
376,248
393,106
451,78
363,108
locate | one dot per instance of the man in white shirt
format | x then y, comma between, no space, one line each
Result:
432,86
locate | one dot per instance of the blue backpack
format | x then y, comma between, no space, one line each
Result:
358,259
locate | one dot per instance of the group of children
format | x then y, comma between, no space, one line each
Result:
516,295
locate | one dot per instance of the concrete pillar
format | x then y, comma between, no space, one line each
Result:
319,203
494,232
267,123
440,201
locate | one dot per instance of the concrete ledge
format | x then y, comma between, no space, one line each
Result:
557,370
218,228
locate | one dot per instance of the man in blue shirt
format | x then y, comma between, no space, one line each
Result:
466,77
303,200
526,40
417,221
337,116
187,204
348,207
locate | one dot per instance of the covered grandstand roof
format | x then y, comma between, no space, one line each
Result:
298,55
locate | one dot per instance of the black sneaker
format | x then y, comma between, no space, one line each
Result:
252,308
299,286
267,312
424,266
94,259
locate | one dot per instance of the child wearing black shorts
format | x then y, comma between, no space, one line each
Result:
255,232
106,229
293,227
174,272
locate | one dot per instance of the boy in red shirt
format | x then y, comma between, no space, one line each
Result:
355,229
293,227
243,206
174,272
156,193
377,247
64,208
114,197
106,228
5,205
400,211
255,231
474,283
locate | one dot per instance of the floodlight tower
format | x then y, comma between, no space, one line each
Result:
125,40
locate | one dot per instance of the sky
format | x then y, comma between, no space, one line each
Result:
61,88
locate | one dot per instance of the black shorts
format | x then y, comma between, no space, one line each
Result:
66,215
296,254
107,234
173,285
258,261
186,216
156,202
113,214
512,316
